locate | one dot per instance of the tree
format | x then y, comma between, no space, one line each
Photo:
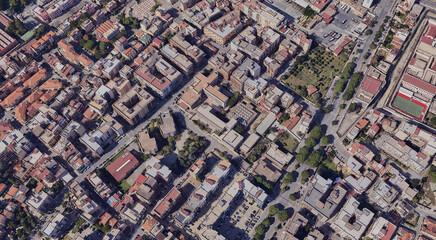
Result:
234,99
372,46
257,237
239,128
352,107
304,150
102,46
273,210
259,229
2,5
57,187
310,142
325,140
309,12
89,45
342,106
368,32
14,4
433,121
16,27
293,197
366,55
32,183
432,173
266,222
301,158
305,175
289,177
314,159
39,31
284,117
283,216
316,132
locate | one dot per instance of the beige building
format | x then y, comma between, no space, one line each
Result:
223,29
134,105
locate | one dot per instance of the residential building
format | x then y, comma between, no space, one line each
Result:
159,75
265,168
178,59
381,229
253,89
56,226
108,30
200,195
168,127
325,197
147,144
134,105
352,220
164,207
223,29
262,14
277,156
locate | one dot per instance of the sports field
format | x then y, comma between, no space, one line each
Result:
409,106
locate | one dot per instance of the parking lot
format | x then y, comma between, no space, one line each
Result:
344,23
240,220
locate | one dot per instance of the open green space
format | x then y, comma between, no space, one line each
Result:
287,142
408,106
318,67
125,186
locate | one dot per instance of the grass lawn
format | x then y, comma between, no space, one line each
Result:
125,186
287,142
318,67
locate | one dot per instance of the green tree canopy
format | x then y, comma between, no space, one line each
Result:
325,140
316,132
310,142
314,159
305,175
266,222
273,210
283,216
260,229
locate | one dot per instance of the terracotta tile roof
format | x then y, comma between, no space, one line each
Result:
35,96
52,84
6,126
14,96
112,222
362,123
48,96
311,89
105,218
36,78
20,112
